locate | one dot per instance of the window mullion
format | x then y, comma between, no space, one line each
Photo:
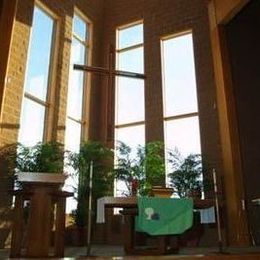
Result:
35,99
130,124
129,48
168,118
86,44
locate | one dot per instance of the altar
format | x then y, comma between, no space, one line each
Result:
129,206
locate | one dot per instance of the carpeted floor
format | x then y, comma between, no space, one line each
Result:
117,252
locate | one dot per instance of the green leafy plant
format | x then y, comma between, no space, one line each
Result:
8,159
43,157
128,167
186,174
102,176
145,168
7,166
154,163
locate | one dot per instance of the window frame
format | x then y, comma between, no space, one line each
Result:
87,43
122,50
184,115
173,118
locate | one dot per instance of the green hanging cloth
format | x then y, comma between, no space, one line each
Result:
164,216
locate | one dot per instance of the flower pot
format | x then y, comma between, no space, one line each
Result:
163,192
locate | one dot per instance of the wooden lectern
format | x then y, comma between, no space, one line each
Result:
31,231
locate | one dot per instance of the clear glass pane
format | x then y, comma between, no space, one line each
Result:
129,100
72,143
79,27
37,75
132,136
75,94
120,189
72,135
183,134
130,36
76,81
180,93
71,183
31,123
71,203
78,52
132,60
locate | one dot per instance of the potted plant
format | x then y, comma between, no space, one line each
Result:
102,181
144,170
129,168
186,174
40,163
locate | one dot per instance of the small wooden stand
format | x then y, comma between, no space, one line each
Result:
33,239
131,248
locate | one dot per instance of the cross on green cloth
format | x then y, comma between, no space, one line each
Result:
164,216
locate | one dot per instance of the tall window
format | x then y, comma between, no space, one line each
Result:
181,122
75,101
35,99
129,94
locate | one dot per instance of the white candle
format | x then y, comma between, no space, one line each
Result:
214,180
214,176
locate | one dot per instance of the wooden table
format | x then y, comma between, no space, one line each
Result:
129,211
131,202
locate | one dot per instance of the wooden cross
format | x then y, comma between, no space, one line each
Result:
111,73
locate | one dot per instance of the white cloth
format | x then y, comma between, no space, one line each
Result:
113,202
207,215
101,209
256,201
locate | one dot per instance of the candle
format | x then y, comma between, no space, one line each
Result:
214,179
214,176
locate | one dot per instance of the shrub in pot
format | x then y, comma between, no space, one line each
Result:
42,162
42,158
143,170
186,174
102,185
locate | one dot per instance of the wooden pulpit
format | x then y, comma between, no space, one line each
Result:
45,211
